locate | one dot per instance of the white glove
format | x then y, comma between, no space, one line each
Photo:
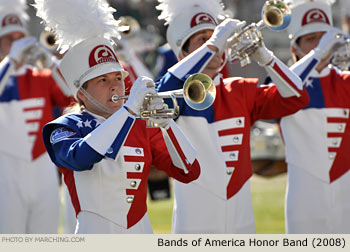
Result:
329,43
19,47
224,31
141,87
156,104
262,55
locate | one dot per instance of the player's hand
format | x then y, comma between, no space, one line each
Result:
224,31
19,49
141,87
329,43
157,103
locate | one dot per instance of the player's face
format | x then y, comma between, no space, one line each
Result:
196,41
310,41
102,88
7,40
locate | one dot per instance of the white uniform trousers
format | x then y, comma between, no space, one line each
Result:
29,195
314,206
199,211
91,223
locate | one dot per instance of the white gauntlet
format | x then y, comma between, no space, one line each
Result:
262,55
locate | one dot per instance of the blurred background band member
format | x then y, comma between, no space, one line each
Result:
220,200
28,179
106,151
317,137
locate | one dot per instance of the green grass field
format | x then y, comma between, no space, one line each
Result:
268,204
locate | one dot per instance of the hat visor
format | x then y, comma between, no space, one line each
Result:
104,69
311,29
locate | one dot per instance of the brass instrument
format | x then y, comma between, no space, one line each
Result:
276,15
198,91
341,57
39,55
128,26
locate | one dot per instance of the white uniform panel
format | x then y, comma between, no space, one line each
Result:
234,215
312,124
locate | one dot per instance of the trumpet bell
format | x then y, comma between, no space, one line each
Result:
48,39
128,25
199,91
276,15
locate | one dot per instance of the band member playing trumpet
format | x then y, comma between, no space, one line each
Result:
106,150
29,190
317,138
220,200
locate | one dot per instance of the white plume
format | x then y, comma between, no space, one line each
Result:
297,2
77,20
171,8
14,6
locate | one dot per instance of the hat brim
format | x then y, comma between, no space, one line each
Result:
12,28
104,69
317,27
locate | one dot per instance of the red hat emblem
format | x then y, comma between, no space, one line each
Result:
101,54
315,16
11,19
201,18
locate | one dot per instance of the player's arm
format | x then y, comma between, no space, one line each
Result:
67,149
328,43
198,60
174,154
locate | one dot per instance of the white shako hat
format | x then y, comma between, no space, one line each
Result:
87,60
186,17
309,16
85,29
13,16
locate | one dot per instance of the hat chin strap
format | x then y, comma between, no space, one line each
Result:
98,106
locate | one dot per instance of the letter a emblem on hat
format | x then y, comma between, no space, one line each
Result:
315,16
11,19
201,18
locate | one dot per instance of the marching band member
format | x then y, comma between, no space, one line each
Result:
220,200
317,138
28,180
107,152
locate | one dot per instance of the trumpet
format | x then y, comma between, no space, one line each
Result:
198,91
276,15
341,57
39,55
